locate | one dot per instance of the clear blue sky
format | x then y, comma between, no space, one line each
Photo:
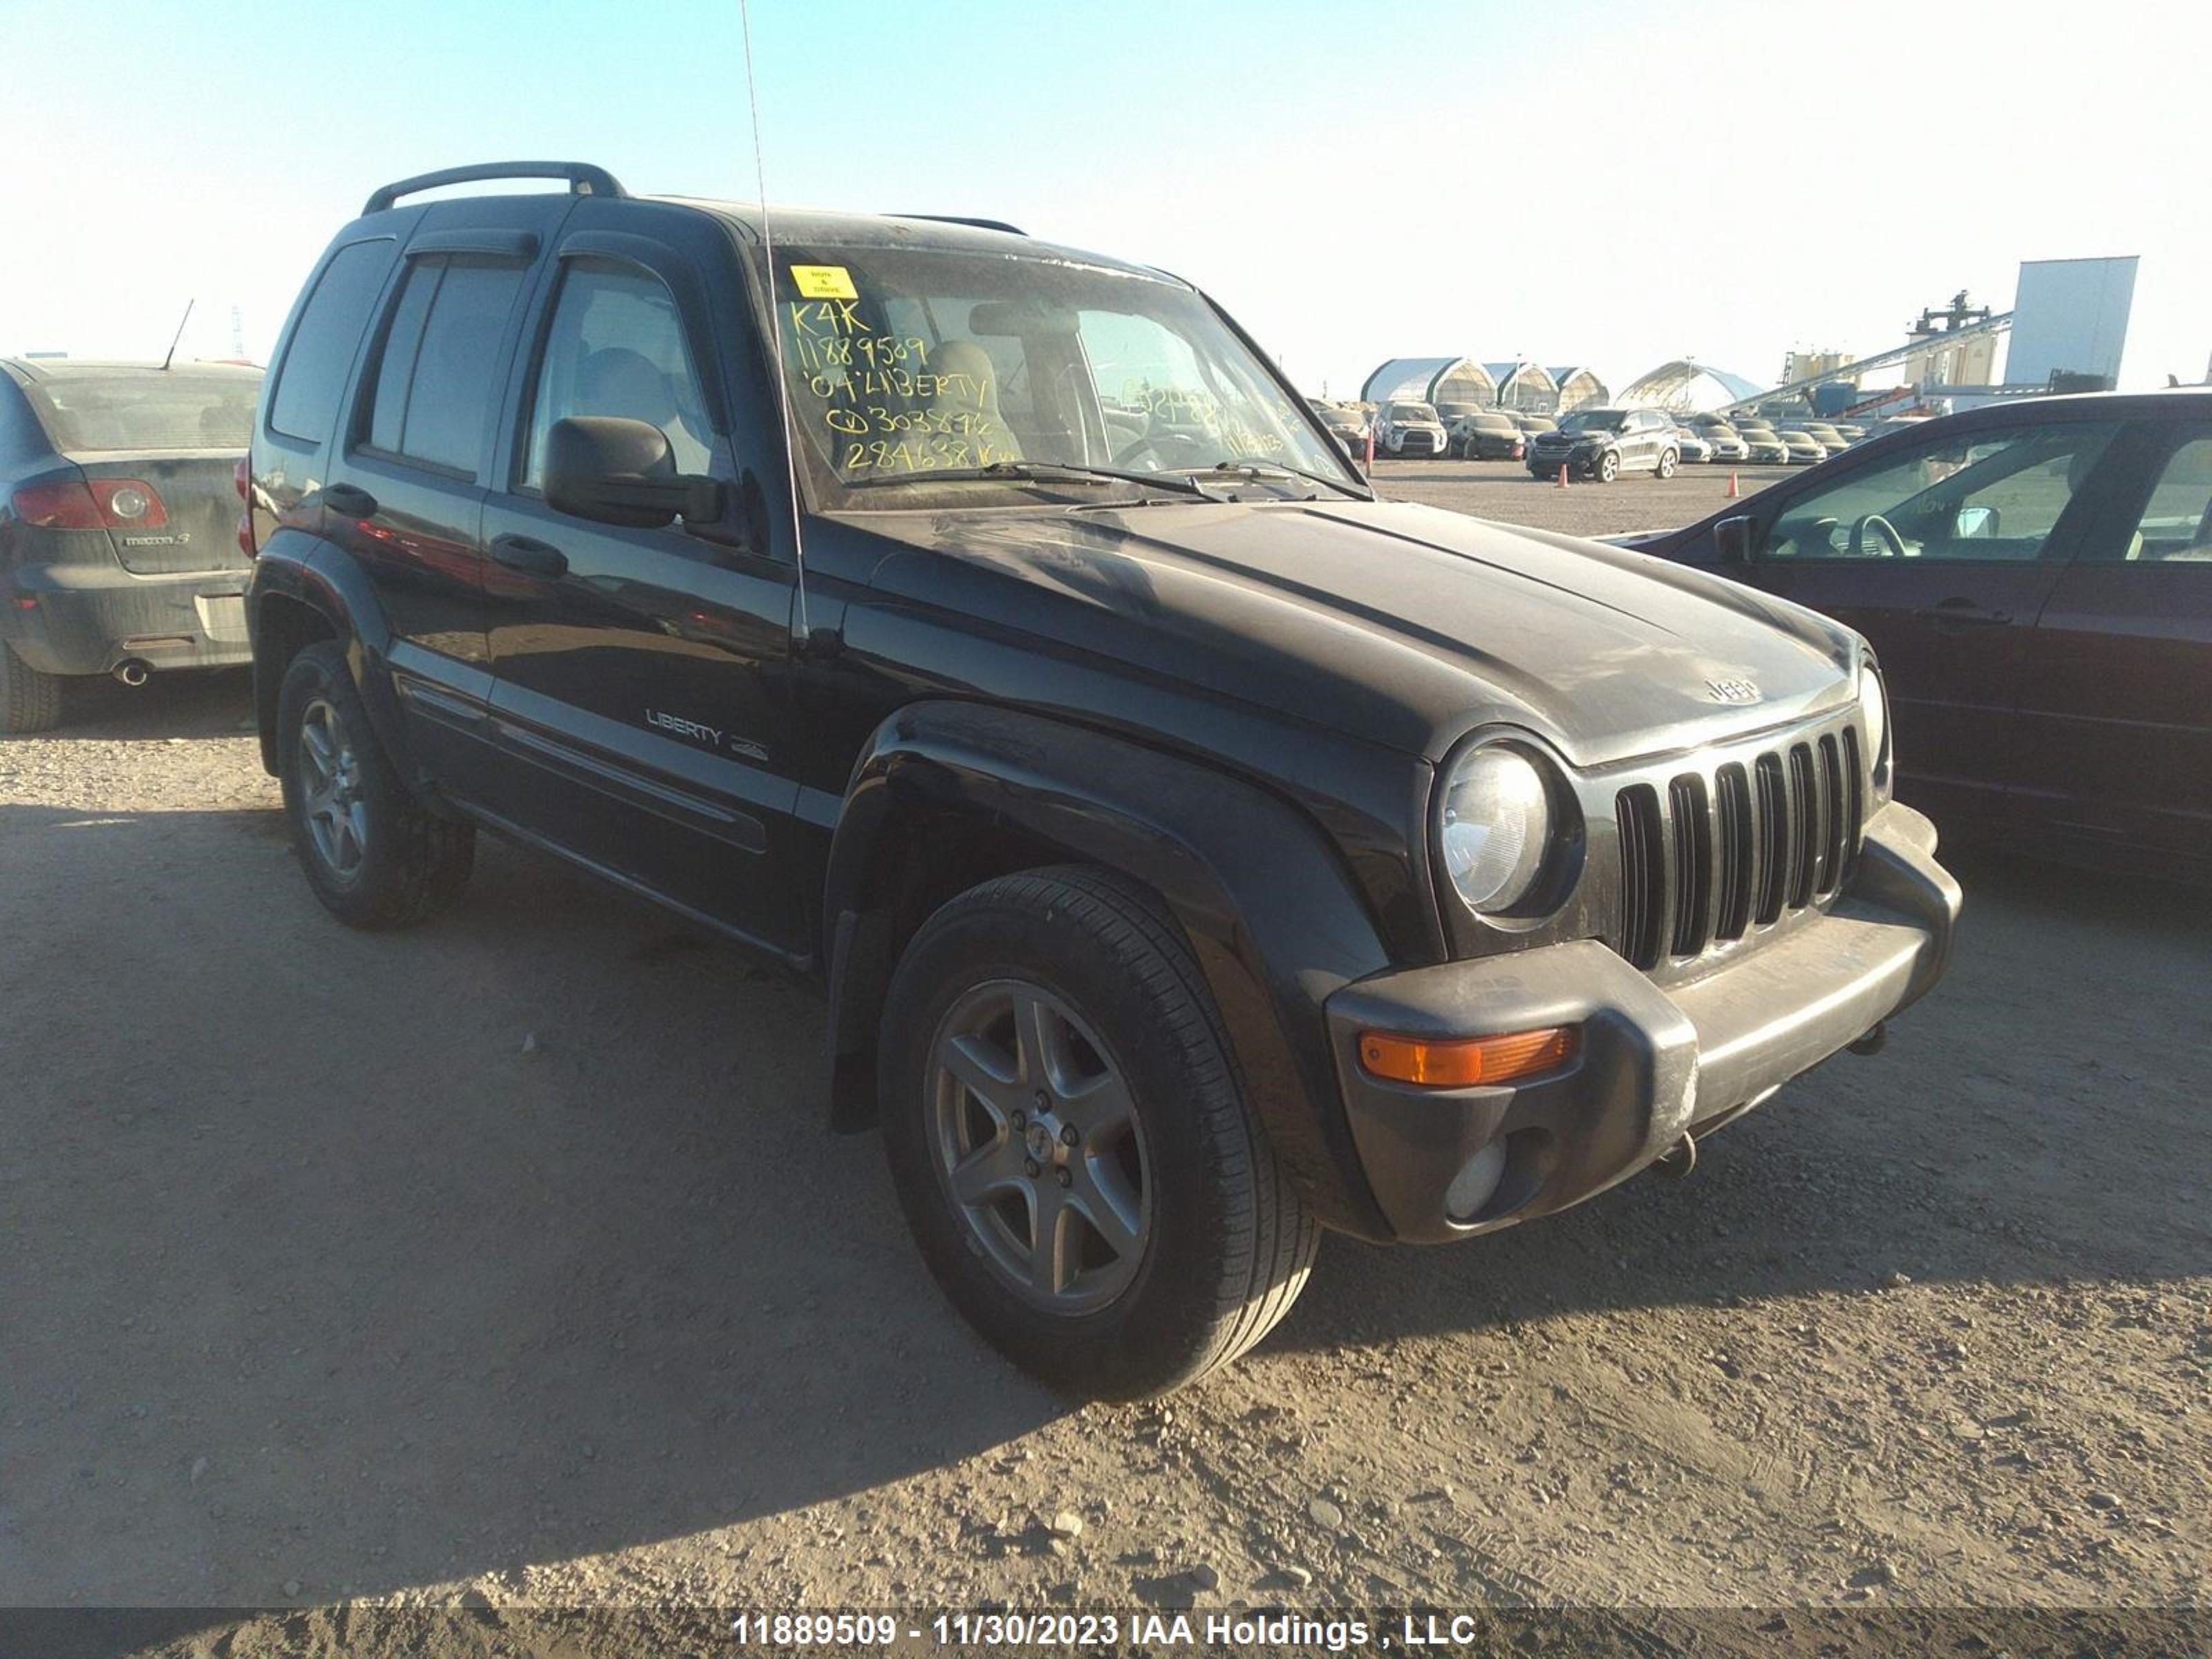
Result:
1354,182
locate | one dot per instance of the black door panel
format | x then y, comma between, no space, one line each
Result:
644,686
647,673
1943,556
2116,708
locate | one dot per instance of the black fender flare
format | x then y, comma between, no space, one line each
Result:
309,570
1274,917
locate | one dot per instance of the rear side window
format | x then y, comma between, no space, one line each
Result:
305,400
433,387
2177,521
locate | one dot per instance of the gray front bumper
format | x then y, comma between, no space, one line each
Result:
1654,1065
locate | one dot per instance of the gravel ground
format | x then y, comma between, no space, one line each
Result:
509,1263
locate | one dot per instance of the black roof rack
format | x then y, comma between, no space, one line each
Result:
962,219
584,179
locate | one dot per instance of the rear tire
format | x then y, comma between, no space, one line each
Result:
1207,1244
375,855
30,699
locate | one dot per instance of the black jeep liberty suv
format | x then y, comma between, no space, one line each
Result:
1195,851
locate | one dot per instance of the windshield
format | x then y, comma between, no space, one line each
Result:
1412,412
906,363
145,409
1594,420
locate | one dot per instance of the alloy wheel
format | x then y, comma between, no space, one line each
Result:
330,799
1037,1143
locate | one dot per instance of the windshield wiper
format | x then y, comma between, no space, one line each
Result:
1259,470
1037,472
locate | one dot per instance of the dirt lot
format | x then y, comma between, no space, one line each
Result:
509,1262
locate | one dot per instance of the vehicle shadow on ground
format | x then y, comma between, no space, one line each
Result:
2037,1118
218,703
352,1262
364,1261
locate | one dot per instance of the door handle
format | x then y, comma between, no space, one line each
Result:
526,554
349,500
1965,613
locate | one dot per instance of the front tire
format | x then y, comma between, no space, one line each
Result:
1071,1142
1666,463
1609,466
30,699
375,856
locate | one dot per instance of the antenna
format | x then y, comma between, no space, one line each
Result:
775,334
179,334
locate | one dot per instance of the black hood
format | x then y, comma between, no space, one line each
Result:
1394,623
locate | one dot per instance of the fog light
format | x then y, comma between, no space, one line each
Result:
1476,1182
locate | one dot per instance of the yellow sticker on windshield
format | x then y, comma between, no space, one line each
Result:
823,283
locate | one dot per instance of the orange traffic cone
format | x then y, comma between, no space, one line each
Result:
1563,475
1733,490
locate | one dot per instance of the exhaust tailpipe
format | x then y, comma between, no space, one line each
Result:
1872,1043
132,670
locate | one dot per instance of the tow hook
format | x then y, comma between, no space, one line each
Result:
1679,1159
1872,1043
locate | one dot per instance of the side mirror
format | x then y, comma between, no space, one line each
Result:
619,472
1975,521
1732,541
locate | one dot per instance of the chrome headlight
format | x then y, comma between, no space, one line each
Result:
1873,719
1498,828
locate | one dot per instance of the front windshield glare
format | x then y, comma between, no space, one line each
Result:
906,364
1591,422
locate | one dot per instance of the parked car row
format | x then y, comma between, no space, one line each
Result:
1406,429
1402,428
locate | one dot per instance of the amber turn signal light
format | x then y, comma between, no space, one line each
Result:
1462,1062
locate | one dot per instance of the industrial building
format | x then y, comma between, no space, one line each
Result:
1527,388
1509,384
1688,387
1432,380
1576,385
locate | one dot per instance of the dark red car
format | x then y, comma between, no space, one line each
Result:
2037,580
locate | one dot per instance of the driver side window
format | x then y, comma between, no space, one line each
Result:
1992,497
615,347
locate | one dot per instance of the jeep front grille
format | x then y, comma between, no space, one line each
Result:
1712,854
